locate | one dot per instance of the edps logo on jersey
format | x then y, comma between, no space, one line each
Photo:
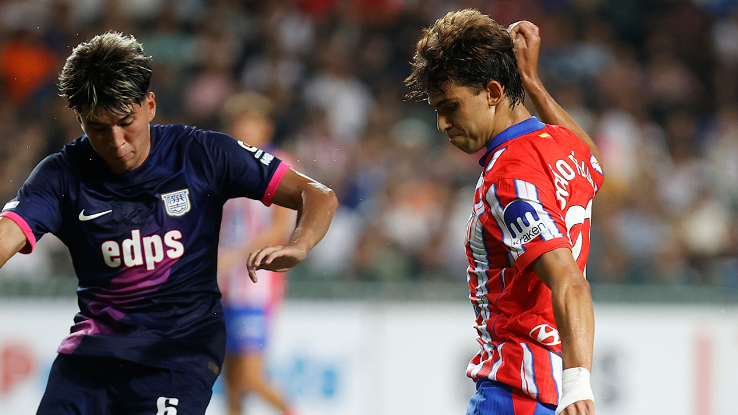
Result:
261,155
546,335
523,222
136,251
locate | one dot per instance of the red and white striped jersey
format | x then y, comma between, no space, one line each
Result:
244,220
534,195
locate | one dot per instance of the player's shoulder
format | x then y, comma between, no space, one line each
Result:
180,134
526,157
551,137
70,154
186,140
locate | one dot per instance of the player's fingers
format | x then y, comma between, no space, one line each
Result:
252,275
513,28
262,254
580,408
524,30
250,260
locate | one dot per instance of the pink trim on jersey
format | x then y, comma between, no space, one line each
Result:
272,188
28,247
79,330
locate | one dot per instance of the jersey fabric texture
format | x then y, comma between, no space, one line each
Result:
144,243
534,195
497,398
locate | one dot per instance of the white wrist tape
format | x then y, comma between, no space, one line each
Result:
575,388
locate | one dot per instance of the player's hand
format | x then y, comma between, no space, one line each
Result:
278,258
527,43
579,408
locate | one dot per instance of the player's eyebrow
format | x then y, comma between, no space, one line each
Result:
125,116
439,103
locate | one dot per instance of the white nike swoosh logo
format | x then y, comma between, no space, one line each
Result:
84,217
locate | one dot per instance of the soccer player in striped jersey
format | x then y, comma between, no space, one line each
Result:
247,224
528,234
139,206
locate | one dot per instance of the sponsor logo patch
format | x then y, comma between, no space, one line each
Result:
546,335
177,203
523,222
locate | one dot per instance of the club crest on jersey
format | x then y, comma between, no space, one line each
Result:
523,222
177,203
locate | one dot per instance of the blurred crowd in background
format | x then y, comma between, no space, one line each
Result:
655,83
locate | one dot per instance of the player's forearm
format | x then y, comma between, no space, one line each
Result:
314,215
572,306
12,239
550,112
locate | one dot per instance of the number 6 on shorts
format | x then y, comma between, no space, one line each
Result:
163,409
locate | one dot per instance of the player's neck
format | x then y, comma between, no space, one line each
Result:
508,116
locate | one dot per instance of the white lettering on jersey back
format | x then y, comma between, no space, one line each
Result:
564,173
136,251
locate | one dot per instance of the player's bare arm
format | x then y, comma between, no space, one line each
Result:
572,307
12,239
527,45
315,205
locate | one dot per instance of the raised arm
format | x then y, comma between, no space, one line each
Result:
572,307
527,45
315,204
12,239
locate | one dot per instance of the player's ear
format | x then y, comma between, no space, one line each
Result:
494,93
151,105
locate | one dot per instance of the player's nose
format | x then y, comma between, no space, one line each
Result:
443,123
117,137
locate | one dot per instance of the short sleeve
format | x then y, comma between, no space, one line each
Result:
238,169
527,219
37,206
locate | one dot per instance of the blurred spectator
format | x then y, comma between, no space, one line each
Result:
654,82
27,66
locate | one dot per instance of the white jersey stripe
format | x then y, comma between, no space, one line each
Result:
557,364
498,363
494,159
527,373
496,210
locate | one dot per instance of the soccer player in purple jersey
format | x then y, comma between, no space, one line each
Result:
528,235
139,206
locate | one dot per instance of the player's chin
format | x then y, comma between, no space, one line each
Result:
465,147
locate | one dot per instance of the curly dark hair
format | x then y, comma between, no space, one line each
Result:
467,48
110,71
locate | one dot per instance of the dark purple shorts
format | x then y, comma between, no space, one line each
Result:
91,385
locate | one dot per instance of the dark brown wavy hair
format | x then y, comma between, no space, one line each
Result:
110,71
469,49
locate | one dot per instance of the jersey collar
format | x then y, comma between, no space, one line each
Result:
514,131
